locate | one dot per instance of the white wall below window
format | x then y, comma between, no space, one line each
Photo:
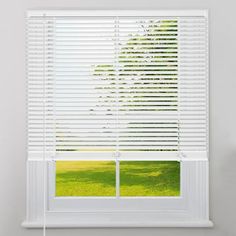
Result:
222,114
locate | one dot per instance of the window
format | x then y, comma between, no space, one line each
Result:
117,118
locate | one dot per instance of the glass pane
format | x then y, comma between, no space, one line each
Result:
149,178
85,178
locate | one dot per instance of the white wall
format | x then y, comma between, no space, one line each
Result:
222,114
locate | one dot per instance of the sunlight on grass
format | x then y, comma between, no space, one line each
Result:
137,178
85,178
149,178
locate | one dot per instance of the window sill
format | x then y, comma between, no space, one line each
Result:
121,224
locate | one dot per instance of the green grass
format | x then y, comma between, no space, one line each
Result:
137,178
149,178
85,178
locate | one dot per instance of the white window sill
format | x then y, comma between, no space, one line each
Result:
117,224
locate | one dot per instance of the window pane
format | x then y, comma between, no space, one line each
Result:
149,178
85,178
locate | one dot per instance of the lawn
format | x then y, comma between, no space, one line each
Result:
137,178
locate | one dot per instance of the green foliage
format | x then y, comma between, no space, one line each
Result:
136,65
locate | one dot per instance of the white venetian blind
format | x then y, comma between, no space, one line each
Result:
100,85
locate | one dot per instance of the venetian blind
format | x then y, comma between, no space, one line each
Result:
117,86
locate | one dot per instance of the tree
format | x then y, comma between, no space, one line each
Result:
144,77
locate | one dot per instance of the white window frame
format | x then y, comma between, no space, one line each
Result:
190,209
